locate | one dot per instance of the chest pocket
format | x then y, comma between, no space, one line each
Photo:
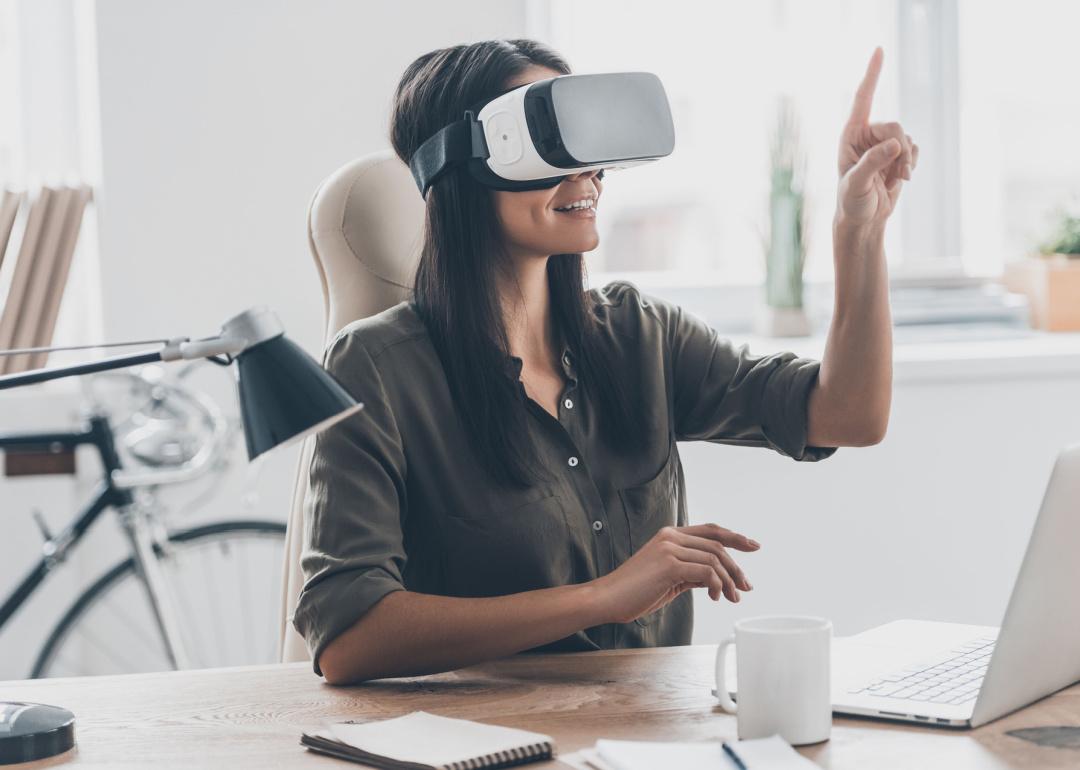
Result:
651,506
503,551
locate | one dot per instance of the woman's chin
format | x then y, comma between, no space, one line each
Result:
576,248
579,244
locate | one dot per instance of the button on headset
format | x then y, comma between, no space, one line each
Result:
503,138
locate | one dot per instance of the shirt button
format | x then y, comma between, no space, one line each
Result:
568,404
597,525
572,462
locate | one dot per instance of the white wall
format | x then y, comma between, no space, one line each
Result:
218,120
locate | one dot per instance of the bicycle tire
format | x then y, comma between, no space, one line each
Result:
127,567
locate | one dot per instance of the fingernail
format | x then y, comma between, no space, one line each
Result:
754,543
749,586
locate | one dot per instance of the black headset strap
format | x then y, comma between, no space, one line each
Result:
458,142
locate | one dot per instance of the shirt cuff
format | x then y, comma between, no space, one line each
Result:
328,608
786,411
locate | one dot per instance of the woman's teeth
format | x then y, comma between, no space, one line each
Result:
588,203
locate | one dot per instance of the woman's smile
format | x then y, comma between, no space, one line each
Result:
583,212
582,207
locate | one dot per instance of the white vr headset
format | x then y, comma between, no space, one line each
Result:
532,137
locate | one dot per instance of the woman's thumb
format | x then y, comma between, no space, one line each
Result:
874,160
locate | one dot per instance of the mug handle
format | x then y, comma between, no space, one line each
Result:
726,703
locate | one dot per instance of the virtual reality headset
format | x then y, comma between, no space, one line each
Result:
532,137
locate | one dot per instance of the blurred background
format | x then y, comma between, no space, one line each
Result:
202,128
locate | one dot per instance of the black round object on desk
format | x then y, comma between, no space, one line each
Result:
31,731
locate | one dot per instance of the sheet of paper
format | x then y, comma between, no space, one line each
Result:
772,753
585,759
649,755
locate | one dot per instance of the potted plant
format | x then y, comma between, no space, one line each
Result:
1051,279
782,314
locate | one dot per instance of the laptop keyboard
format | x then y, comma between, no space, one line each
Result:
956,678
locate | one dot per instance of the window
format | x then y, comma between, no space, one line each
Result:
983,88
1019,125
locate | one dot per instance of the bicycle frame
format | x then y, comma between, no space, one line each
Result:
99,434
110,494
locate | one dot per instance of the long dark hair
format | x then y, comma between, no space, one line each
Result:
463,251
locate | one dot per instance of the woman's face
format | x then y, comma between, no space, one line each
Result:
533,223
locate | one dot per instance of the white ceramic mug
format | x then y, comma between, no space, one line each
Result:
783,680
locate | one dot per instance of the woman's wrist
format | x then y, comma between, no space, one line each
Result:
861,280
854,238
592,599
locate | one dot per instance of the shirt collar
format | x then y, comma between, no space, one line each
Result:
513,367
566,359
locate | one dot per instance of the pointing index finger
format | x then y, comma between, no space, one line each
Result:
864,96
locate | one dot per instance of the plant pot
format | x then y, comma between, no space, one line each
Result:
1052,286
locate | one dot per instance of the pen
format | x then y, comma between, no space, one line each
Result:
734,757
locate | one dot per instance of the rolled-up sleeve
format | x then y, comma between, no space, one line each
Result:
725,394
353,552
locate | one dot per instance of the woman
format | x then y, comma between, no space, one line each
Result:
513,482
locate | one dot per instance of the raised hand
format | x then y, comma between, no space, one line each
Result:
875,159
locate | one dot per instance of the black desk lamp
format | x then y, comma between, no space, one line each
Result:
284,396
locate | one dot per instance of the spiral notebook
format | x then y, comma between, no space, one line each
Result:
423,741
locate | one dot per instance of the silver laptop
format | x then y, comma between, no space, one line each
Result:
966,676
952,674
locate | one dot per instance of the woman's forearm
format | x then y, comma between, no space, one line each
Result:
850,405
410,634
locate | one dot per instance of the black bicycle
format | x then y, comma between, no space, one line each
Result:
189,598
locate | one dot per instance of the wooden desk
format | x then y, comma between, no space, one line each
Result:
251,717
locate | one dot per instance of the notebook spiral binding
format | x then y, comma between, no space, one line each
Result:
516,756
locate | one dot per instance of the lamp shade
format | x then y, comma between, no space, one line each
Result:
285,395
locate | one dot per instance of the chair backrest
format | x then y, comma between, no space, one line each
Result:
365,229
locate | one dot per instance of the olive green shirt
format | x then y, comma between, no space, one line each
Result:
398,499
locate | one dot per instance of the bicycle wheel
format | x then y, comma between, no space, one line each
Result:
226,579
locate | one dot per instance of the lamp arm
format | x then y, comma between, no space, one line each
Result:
239,333
58,372
175,350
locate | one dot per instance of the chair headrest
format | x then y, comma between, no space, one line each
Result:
365,229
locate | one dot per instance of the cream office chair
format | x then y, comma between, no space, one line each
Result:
365,229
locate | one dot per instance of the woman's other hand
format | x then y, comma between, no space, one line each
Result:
674,560
875,160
